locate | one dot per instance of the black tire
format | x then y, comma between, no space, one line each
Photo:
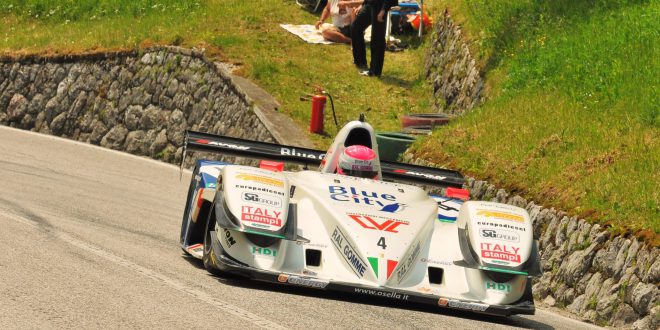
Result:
186,211
209,258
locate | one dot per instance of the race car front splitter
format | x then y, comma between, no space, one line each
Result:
227,264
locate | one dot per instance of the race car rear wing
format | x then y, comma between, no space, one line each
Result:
204,142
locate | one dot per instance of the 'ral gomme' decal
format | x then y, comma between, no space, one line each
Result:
368,222
408,263
349,253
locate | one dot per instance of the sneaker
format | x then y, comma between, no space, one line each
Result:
369,74
362,67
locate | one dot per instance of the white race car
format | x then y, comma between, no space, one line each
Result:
377,237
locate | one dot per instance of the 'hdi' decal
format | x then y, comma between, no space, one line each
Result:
369,223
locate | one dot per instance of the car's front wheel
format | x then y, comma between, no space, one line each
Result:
208,257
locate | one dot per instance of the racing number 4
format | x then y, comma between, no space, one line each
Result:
381,243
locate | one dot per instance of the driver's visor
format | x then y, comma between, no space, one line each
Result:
358,173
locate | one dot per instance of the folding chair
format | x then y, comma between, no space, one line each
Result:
314,6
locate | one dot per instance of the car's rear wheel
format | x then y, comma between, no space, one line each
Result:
209,258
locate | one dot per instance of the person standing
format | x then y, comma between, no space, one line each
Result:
372,12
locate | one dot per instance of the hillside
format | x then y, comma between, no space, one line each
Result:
572,113
570,120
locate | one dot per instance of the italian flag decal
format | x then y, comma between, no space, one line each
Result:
391,264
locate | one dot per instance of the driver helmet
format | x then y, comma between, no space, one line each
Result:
358,161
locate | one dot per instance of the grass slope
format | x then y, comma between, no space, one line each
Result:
573,116
243,32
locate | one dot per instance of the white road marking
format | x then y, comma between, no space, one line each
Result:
568,319
177,285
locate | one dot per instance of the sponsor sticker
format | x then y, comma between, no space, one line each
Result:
471,306
266,190
500,215
309,272
222,144
420,174
437,262
261,215
408,263
382,202
294,152
500,252
501,225
229,240
266,252
260,179
350,255
197,248
498,287
499,234
310,244
302,281
383,294
424,289
388,225
273,201
448,208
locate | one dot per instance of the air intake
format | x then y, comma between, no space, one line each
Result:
435,275
313,257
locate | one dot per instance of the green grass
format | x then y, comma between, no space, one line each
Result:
571,119
244,32
573,116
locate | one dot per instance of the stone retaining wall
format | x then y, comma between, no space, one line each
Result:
139,102
605,280
451,69
599,278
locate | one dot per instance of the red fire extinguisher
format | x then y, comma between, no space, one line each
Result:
318,108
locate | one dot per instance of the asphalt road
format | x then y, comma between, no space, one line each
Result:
89,239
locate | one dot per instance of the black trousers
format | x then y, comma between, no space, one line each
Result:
368,15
